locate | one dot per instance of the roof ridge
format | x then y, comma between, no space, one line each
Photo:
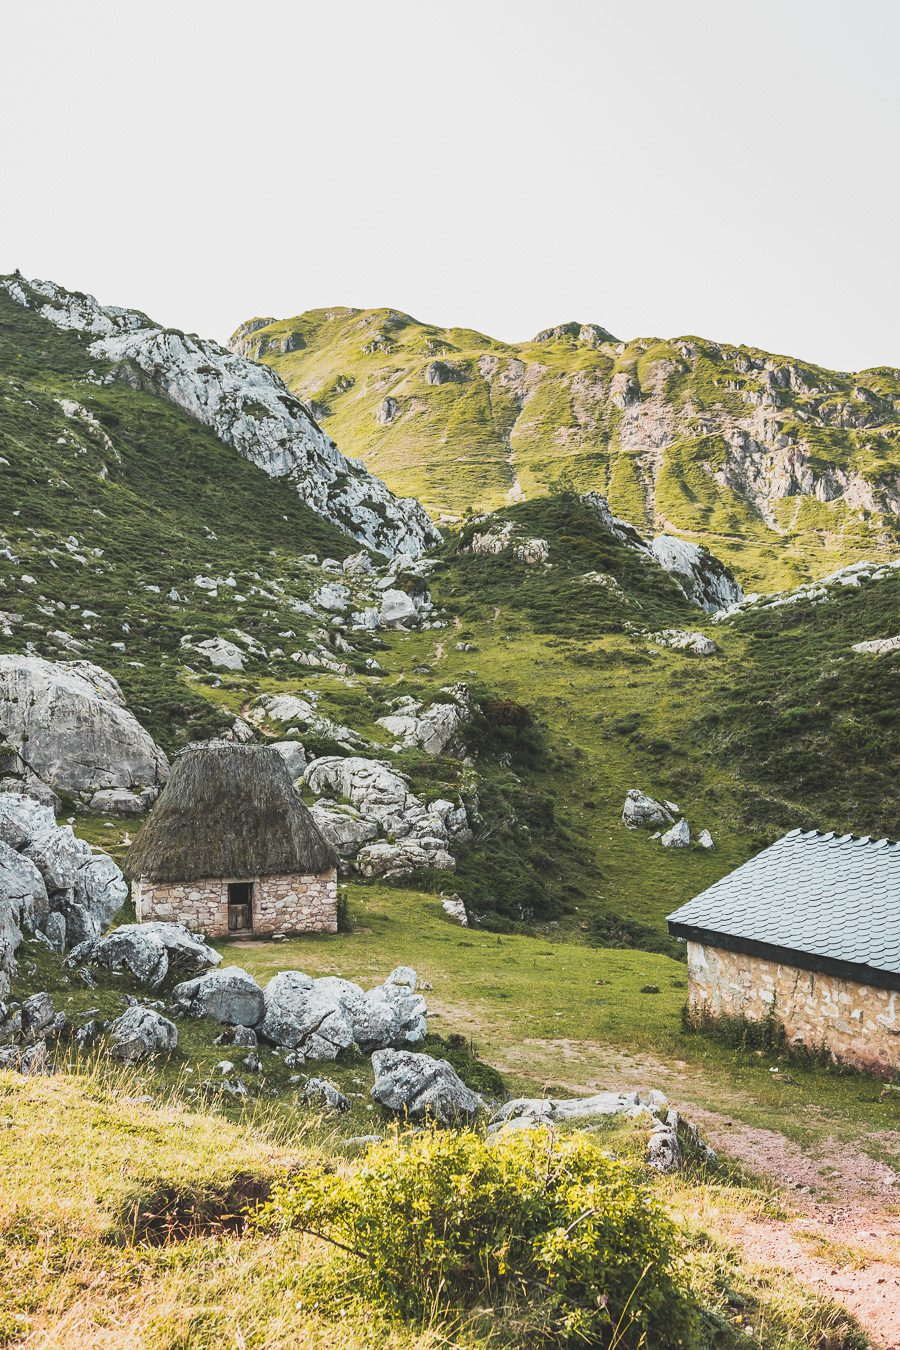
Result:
842,838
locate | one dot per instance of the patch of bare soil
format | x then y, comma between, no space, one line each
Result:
842,1236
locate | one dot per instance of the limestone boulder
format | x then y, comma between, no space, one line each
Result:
641,812
294,756
22,819
50,882
303,1018
120,802
390,830
333,596
100,889
397,862
228,995
66,721
323,1093
678,837
397,610
150,952
221,653
422,1088
140,1034
58,855
392,1014
664,1149
23,892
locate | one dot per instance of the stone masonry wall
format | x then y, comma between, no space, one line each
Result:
301,903
858,1023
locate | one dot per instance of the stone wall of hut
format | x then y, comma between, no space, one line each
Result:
299,903
858,1024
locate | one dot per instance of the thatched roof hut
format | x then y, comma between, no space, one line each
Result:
229,811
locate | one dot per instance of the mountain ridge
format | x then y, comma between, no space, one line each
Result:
739,446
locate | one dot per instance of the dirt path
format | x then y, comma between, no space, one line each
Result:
841,1233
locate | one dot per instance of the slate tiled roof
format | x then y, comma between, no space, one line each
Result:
835,897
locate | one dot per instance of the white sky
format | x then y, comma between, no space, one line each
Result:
661,168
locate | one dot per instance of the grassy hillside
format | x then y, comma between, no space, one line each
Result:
113,501
745,449
138,1234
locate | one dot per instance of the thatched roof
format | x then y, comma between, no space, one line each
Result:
229,811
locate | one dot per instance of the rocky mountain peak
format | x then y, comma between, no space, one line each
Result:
591,334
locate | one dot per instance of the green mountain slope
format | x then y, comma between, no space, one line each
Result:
118,511
744,449
112,501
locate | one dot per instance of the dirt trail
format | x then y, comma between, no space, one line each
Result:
841,1235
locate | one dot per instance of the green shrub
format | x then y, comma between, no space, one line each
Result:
560,1236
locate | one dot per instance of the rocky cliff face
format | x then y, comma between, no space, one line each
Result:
247,407
686,434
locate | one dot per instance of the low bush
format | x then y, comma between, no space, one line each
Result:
562,1238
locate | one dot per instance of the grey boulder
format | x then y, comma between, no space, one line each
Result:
118,802
641,812
392,1014
320,1091
141,1033
229,995
150,952
22,818
678,837
421,1087
66,721
304,1018
294,756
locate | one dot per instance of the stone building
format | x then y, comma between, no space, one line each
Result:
230,848
807,933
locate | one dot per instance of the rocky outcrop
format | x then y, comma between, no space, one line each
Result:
65,724
50,882
684,640
851,578
435,729
445,372
505,536
600,1105
412,835
877,646
314,1019
247,407
422,1088
703,578
667,1130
